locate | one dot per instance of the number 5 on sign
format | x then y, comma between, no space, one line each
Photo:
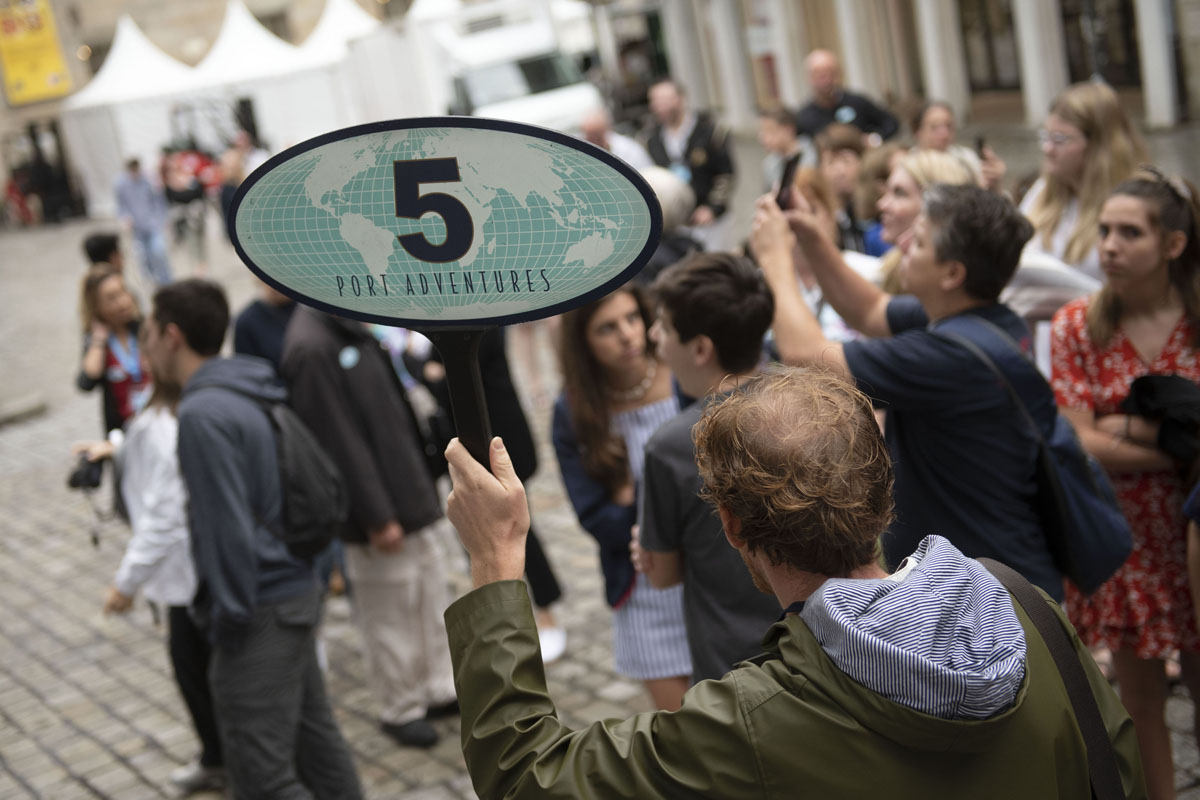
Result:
410,203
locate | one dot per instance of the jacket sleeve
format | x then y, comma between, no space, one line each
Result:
83,381
318,394
156,507
608,522
879,120
721,193
223,530
515,747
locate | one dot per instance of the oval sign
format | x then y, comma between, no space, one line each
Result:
445,221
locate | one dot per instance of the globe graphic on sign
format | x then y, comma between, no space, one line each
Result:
443,224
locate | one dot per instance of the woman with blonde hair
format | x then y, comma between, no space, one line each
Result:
901,202
1088,147
111,357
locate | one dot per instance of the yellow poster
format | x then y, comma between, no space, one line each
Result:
30,55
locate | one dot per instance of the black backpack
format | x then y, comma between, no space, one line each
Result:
313,494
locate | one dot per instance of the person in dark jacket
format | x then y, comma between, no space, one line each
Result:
345,388
259,328
257,602
831,103
696,148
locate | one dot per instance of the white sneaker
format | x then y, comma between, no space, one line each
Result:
194,777
554,644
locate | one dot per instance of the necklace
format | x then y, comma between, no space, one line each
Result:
639,391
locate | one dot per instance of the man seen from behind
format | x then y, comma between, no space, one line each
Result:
924,683
258,603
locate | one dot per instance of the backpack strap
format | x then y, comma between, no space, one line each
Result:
1102,760
982,355
266,406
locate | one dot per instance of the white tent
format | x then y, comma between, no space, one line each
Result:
123,111
340,21
245,51
292,90
127,108
135,68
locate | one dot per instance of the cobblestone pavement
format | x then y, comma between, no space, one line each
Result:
88,707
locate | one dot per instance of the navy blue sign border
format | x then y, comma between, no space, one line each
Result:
479,123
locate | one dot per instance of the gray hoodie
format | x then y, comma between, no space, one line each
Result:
228,460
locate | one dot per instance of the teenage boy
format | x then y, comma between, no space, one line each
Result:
713,311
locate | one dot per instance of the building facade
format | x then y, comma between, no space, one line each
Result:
741,55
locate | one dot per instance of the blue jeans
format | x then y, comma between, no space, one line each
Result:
153,244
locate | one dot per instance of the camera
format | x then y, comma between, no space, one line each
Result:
86,474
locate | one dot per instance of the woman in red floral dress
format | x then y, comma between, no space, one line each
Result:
1145,320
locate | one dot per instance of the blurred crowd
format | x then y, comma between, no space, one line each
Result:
873,252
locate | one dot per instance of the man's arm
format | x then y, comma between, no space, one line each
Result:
663,568
798,334
513,742
657,546
862,304
878,119
721,158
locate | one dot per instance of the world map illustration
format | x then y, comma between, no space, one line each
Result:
548,223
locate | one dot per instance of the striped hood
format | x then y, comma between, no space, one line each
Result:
940,636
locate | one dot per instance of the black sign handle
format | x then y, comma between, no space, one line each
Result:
460,356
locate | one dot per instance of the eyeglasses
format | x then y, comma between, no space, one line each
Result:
1055,139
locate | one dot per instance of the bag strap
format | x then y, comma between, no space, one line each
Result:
266,406
982,355
1102,760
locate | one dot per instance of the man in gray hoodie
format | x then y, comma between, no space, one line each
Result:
258,603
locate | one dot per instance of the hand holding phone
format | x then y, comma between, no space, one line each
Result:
783,198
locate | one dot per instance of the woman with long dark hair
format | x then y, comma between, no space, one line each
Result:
616,393
1145,320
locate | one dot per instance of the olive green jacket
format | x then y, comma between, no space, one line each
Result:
789,725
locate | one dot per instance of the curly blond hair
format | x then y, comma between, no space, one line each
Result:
796,456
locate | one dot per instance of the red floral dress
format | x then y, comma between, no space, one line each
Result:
1147,606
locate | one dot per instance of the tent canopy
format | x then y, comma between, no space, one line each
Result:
134,68
340,21
245,51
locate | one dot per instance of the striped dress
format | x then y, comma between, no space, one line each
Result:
649,636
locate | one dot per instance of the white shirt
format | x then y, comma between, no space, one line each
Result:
158,558
1090,265
629,151
675,141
